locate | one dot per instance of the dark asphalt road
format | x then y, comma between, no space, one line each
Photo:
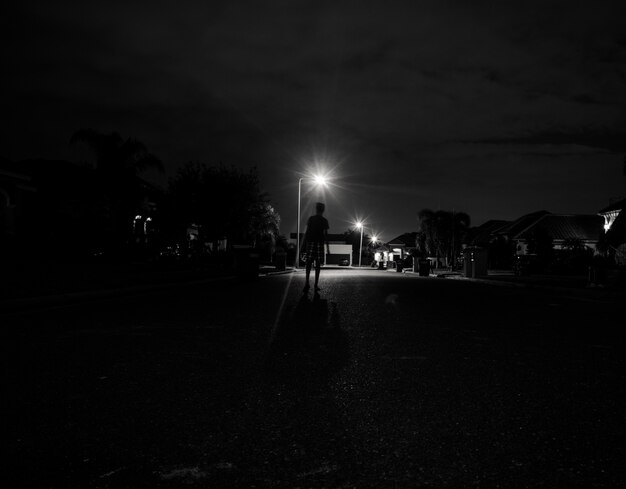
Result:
384,380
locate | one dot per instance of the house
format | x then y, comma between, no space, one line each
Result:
563,229
499,238
498,246
485,234
615,229
611,213
399,246
510,231
503,239
382,256
340,248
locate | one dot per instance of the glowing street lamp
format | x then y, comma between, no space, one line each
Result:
374,240
360,226
318,180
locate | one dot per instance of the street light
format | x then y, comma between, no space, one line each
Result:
360,226
319,180
374,240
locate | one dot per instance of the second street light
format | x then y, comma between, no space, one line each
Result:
360,226
374,240
319,180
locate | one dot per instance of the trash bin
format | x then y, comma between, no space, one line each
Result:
423,268
399,266
474,262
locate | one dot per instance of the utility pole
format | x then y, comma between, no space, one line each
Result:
453,254
297,264
361,247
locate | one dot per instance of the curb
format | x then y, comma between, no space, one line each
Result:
586,293
270,272
497,283
507,283
73,298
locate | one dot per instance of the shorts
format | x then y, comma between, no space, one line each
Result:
315,252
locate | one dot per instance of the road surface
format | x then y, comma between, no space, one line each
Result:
383,380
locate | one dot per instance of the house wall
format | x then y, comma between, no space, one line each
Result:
522,246
339,252
558,245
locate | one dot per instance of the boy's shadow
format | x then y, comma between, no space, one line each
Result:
310,345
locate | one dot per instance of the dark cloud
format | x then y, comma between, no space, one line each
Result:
602,139
381,93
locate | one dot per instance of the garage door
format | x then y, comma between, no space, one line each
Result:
335,258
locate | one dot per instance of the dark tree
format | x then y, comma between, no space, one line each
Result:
353,237
440,233
225,202
117,157
118,165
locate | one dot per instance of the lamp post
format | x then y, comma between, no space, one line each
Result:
320,180
373,242
360,226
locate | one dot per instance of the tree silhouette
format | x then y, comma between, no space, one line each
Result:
225,201
440,233
353,237
118,163
117,157
264,222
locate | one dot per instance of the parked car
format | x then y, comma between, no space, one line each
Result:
344,263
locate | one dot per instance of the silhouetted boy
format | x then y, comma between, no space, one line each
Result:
315,237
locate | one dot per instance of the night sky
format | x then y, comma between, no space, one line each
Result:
493,108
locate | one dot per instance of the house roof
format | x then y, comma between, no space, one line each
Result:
484,233
562,227
519,225
617,234
406,239
615,206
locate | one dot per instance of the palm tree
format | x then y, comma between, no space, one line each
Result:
116,156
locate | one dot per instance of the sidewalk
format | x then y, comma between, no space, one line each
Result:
577,284
272,270
42,284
